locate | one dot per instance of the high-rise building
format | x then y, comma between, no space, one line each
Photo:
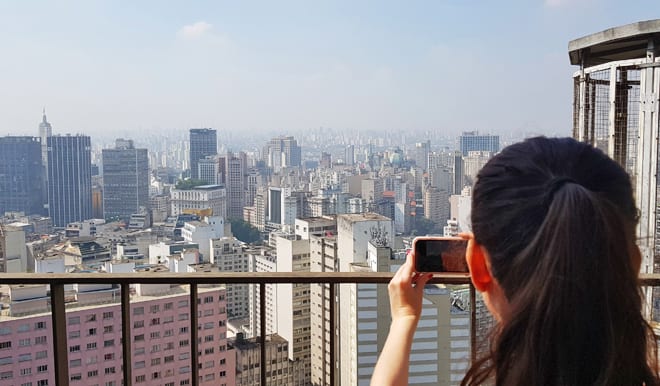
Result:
355,232
421,154
229,255
203,143
459,173
350,155
282,152
160,335
473,141
69,179
13,254
436,205
125,180
45,131
235,178
209,170
21,178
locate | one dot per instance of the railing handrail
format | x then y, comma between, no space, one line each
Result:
218,277
652,280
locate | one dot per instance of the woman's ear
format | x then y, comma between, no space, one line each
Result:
478,262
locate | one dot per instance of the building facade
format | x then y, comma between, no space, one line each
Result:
69,179
21,175
199,198
473,141
125,180
203,143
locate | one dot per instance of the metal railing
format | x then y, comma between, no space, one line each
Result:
58,311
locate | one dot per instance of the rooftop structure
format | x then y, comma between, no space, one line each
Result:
616,107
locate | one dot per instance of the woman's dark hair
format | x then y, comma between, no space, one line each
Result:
557,218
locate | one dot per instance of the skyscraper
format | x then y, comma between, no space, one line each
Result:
45,131
69,179
282,152
21,186
235,169
125,180
473,141
203,143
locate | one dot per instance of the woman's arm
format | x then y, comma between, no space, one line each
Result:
406,292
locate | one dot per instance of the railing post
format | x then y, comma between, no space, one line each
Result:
60,346
194,334
126,333
333,335
473,324
262,331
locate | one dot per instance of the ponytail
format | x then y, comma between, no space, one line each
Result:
565,265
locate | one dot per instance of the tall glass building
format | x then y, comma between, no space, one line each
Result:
473,141
125,180
21,175
69,179
203,143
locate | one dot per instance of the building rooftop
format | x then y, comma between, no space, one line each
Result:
364,217
629,41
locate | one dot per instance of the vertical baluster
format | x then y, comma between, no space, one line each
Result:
262,328
194,355
126,333
60,346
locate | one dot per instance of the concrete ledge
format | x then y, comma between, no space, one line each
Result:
619,43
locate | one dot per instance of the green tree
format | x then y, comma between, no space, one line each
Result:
244,231
189,183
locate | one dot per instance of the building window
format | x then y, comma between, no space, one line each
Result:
108,315
42,368
40,326
74,320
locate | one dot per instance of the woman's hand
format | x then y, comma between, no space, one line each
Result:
406,290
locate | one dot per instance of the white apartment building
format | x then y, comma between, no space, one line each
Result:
201,233
441,344
293,301
13,253
213,197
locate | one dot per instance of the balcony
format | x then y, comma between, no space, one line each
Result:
61,347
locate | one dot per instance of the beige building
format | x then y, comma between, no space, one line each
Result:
13,253
230,255
280,370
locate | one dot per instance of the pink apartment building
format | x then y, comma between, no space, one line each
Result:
160,334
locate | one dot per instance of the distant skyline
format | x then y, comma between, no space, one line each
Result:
107,67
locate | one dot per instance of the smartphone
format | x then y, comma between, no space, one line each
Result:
440,254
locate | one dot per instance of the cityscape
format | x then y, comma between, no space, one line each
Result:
210,200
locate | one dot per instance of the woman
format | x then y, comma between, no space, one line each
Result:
554,255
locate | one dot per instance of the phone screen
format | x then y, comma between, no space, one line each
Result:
440,255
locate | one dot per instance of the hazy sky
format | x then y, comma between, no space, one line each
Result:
103,66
